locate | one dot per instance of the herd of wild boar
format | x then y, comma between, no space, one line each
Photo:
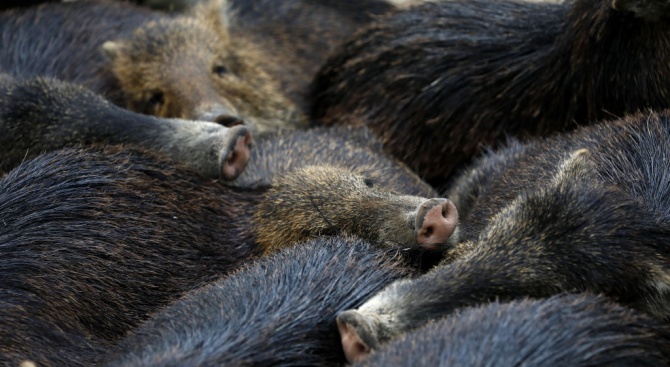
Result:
323,182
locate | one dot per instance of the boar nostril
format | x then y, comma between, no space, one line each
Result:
228,121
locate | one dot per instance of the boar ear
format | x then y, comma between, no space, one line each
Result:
650,10
112,49
576,164
356,335
215,12
659,279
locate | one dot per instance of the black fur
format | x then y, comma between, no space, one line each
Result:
64,41
92,242
280,311
588,211
443,79
276,154
565,330
39,115
299,35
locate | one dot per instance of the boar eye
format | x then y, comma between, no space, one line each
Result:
220,70
369,182
156,99
154,102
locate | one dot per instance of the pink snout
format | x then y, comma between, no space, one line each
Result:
436,221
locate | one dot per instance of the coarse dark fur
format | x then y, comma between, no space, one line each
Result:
355,152
443,79
564,330
184,66
93,240
49,40
362,191
67,115
301,33
279,311
41,114
356,149
587,211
